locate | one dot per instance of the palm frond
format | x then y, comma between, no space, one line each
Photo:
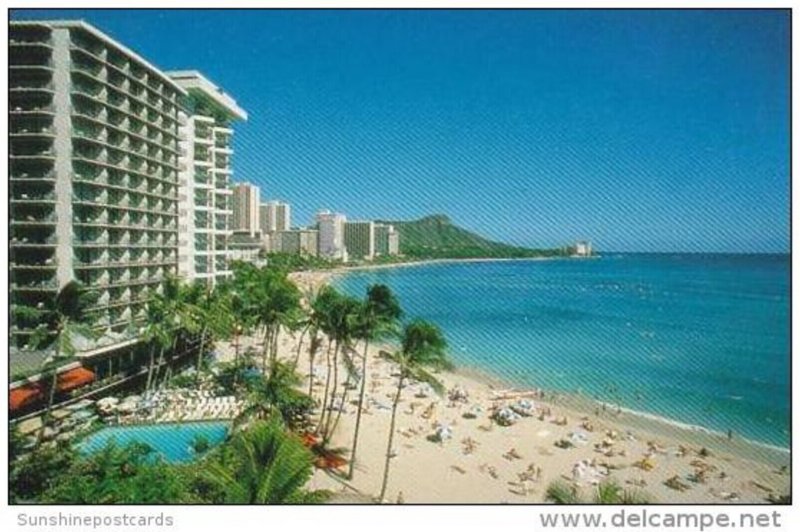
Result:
561,493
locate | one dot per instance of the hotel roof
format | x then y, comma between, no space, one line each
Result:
204,90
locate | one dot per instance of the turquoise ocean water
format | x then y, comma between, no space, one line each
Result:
697,339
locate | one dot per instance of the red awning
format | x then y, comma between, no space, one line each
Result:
24,396
74,378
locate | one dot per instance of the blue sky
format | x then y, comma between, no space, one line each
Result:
640,130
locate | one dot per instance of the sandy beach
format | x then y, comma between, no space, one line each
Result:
483,462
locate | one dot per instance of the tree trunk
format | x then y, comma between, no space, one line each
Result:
151,367
200,354
361,392
312,352
342,405
327,386
300,346
50,398
391,437
265,351
168,370
158,366
274,347
236,359
326,433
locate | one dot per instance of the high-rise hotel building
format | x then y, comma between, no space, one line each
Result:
205,201
275,216
331,235
246,203
93,172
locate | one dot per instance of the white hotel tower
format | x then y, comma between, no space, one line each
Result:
93,174
99,139
205,204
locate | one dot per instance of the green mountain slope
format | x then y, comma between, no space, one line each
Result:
437,237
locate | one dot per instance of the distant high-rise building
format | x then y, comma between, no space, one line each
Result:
297,242
359,239
275,216
93,180
394,243
331,235
583,249
246,202
386,240
205,206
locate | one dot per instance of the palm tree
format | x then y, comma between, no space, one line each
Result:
379,316
276,304
422,347
560,492
156,333
67,323
607,492
322,308
211,312
235,301
267,466
277,393
178,314
342,320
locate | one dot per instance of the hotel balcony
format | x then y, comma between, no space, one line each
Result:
27,236
87,66
29,214
33,258
25,55
33,191
47,283
31,170
31,80
28,34
33,197
85,42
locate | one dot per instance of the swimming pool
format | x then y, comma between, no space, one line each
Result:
172,441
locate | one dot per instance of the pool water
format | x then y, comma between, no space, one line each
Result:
172,441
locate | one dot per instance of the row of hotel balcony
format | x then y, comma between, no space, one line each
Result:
203,198
85,194
120,182
105,94
166,260
86,129
117,150
139,267
120,160
209,180
124,241
219,221
127,66
218,158
95,216
26,48
135,129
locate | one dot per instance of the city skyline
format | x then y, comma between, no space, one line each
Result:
539,127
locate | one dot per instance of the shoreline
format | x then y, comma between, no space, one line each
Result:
428,262
765,452
482,462
651,422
